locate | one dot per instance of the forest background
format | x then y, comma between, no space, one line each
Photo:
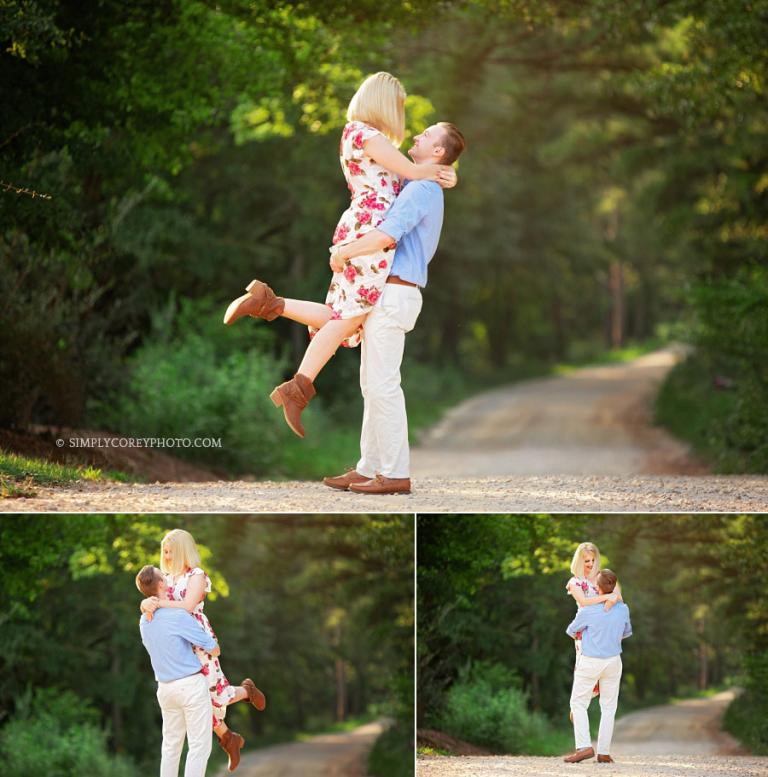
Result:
318,610
614,191
495,666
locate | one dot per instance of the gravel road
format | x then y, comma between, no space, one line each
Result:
520,494
582,442
675,740
328,755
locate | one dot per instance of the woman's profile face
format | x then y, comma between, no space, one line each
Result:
167,553
589,563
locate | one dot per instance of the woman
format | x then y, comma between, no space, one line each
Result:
374,170
187,586
582,586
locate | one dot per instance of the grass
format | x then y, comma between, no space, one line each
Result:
392,753
20,474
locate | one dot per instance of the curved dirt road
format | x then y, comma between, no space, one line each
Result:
327,755
676,740
578,443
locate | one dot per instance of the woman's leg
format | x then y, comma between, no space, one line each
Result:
313,314
325,343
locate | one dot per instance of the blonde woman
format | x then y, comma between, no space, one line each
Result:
582,586
187,584
374,170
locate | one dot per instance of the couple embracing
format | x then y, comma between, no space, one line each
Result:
597,632
381,248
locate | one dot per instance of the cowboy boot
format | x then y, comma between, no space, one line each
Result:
255,696
294,396
231,743
260,302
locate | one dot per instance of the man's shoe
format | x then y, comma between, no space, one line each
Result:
255,696
579,755
293,396
605,759
231,744
382,485
343,482
260,302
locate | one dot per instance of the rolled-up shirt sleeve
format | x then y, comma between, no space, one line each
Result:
627,628
409,209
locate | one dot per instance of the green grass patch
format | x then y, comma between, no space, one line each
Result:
392,753
747,719
20,474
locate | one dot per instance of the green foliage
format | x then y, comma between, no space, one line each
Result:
486,707
392,753
57,735
747,716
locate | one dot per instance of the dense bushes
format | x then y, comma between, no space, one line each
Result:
747,716
56,734
486,706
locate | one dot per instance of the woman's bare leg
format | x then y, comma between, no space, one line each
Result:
312,314
326,342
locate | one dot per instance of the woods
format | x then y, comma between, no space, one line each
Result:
317,609
492,613
613,190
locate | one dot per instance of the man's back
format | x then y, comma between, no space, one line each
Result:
168,638
602,630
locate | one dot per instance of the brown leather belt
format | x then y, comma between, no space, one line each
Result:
400,282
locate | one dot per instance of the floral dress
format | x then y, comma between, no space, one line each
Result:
590,590
356,290
221,691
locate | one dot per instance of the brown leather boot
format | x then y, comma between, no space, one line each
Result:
260,301
294,396
231,743
255,696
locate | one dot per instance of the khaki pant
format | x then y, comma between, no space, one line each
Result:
588,671
187,712
384,437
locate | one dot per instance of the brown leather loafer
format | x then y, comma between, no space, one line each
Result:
579,755
255,696
343,482
605,759
293,396
260,302
382,485
232,743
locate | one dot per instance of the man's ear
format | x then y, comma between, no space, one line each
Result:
440,152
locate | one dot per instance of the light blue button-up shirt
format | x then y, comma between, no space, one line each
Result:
168,638
414,222
602,631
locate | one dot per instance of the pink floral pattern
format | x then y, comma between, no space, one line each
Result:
373,189
222,693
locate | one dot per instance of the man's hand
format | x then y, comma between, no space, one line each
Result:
216,652
610,601
336,263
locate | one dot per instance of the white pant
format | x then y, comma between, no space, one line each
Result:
187,711
384,437
588,671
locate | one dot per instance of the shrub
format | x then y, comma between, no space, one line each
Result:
54,735
486,707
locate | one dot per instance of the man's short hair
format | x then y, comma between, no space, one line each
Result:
453,142
606,581
148,580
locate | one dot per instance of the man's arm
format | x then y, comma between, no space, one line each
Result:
580,622
409,209
188,628
627,627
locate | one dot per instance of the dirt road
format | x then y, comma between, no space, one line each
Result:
577,443
328,755
676,740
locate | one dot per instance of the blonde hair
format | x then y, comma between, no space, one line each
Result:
184,554
577,564
380,102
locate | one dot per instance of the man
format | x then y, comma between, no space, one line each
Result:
182,690
414,223
600,661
